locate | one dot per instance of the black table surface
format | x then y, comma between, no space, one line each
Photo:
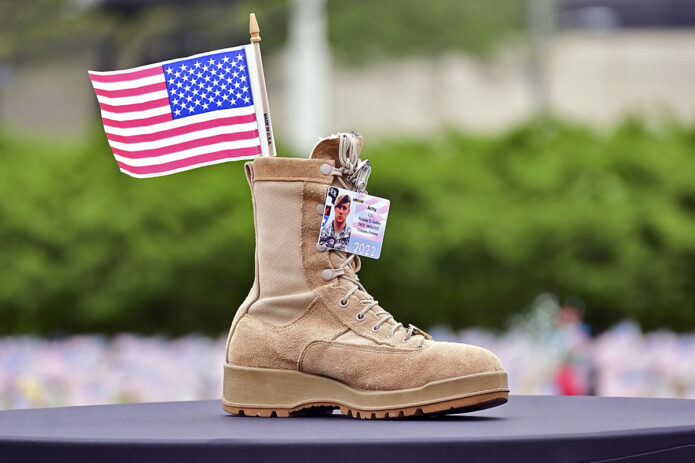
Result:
527,428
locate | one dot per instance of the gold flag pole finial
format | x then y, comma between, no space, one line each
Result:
253,29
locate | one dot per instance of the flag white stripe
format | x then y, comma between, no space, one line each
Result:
125,100
136,114
228,129
182,169
151,161
148,66
129,83
128,71
176,123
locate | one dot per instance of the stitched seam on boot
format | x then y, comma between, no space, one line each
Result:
278,331
291,169
248,171
313,262
311,308
300,361
284,292
374,350
292,179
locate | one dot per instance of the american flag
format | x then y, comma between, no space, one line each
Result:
181,114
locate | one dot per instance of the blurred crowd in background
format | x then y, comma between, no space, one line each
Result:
528,148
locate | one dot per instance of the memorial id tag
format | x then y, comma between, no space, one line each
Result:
354,222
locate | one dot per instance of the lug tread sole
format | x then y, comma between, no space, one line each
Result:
461,405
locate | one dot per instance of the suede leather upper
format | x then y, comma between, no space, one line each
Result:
322,337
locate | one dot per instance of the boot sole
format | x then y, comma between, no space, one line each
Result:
269,392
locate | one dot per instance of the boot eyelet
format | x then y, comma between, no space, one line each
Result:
326,169
320,208
405,340
343,303
375,328
359,317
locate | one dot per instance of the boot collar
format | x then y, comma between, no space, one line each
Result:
290,170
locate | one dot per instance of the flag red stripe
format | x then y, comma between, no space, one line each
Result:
137,122
131,75
127,108
182,130
187,162
186,145
132,91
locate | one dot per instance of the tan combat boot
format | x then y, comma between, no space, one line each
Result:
309,335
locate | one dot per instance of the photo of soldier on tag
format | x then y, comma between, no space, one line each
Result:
353,221
335,233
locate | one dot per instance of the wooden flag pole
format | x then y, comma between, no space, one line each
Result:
255,41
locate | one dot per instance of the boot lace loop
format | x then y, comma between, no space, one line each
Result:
352,169
368,303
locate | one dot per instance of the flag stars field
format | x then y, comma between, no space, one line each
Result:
219,76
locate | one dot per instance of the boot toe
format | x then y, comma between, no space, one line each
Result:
453,360
481,360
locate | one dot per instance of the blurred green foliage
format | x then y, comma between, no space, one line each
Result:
37,29
478,227
361,31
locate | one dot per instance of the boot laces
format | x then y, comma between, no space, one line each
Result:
369,302
349,159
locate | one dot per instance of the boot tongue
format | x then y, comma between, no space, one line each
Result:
328,148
